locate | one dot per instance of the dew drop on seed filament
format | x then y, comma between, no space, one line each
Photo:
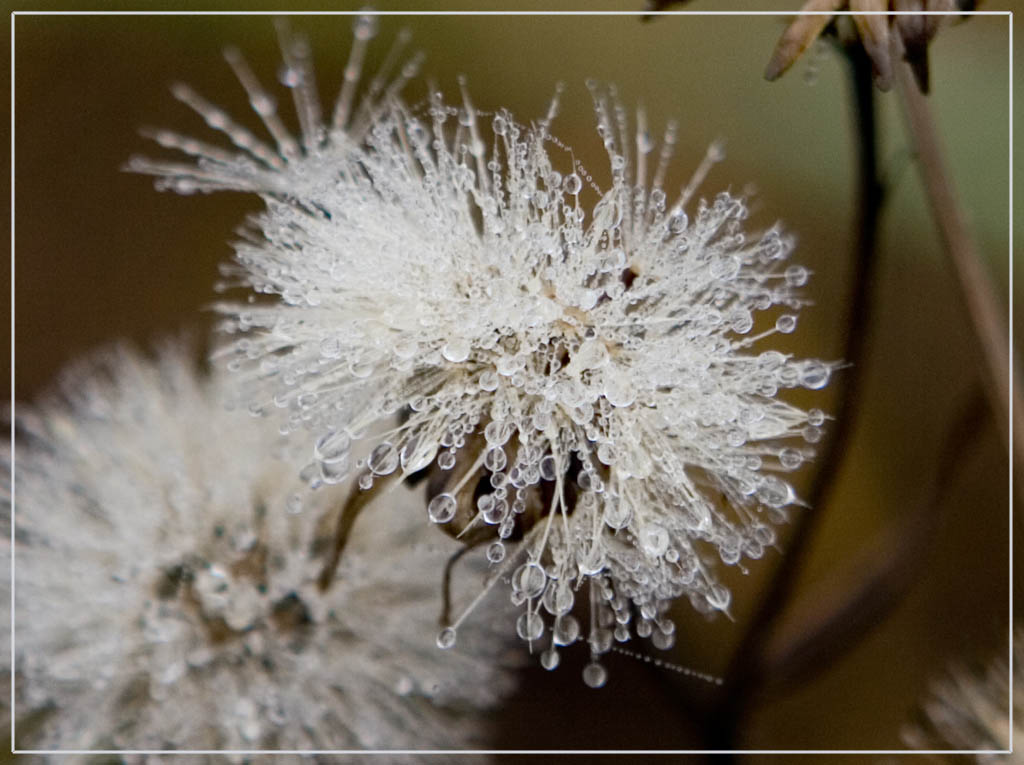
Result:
663,640
786,323
566,630
495,459
529,579
814,375
790,458
654,539
441,508
549,659
796,276
496,552
719,597
446,638
456,350
383,459
595,675
530,626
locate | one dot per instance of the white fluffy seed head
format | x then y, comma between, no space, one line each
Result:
166,585
449,269
969,708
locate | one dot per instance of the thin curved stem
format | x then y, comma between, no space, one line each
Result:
983,306
744,675
353,506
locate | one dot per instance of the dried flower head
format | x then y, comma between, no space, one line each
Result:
166,586
579,379
870,28
873,30
969,709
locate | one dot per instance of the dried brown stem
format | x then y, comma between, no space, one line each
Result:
446,583
353,506
744,675
989,320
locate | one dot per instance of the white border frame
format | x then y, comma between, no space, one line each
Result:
1007,13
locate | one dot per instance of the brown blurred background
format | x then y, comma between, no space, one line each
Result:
100,255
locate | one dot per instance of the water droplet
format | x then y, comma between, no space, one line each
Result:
361,368
593,354
567,630
786,323
497,433
572,184
742,322
549,659
330,347
441,508
796,276
618,389
654,539
332,446
595,675
289,77
334,471
456,350
446,638
530,626
495,459
406,348
496,552
529,579
790,458
662,640
719,597
558,598
617,515
383,459
814,375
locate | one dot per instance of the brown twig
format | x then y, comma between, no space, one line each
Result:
353,506
446,583
983,306
744,674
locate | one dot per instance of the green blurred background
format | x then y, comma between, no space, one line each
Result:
100,255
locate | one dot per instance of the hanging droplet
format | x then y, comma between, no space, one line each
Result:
383,459
441,508
446,638
595,675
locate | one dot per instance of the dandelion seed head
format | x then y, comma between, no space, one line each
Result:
585,377
166,585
